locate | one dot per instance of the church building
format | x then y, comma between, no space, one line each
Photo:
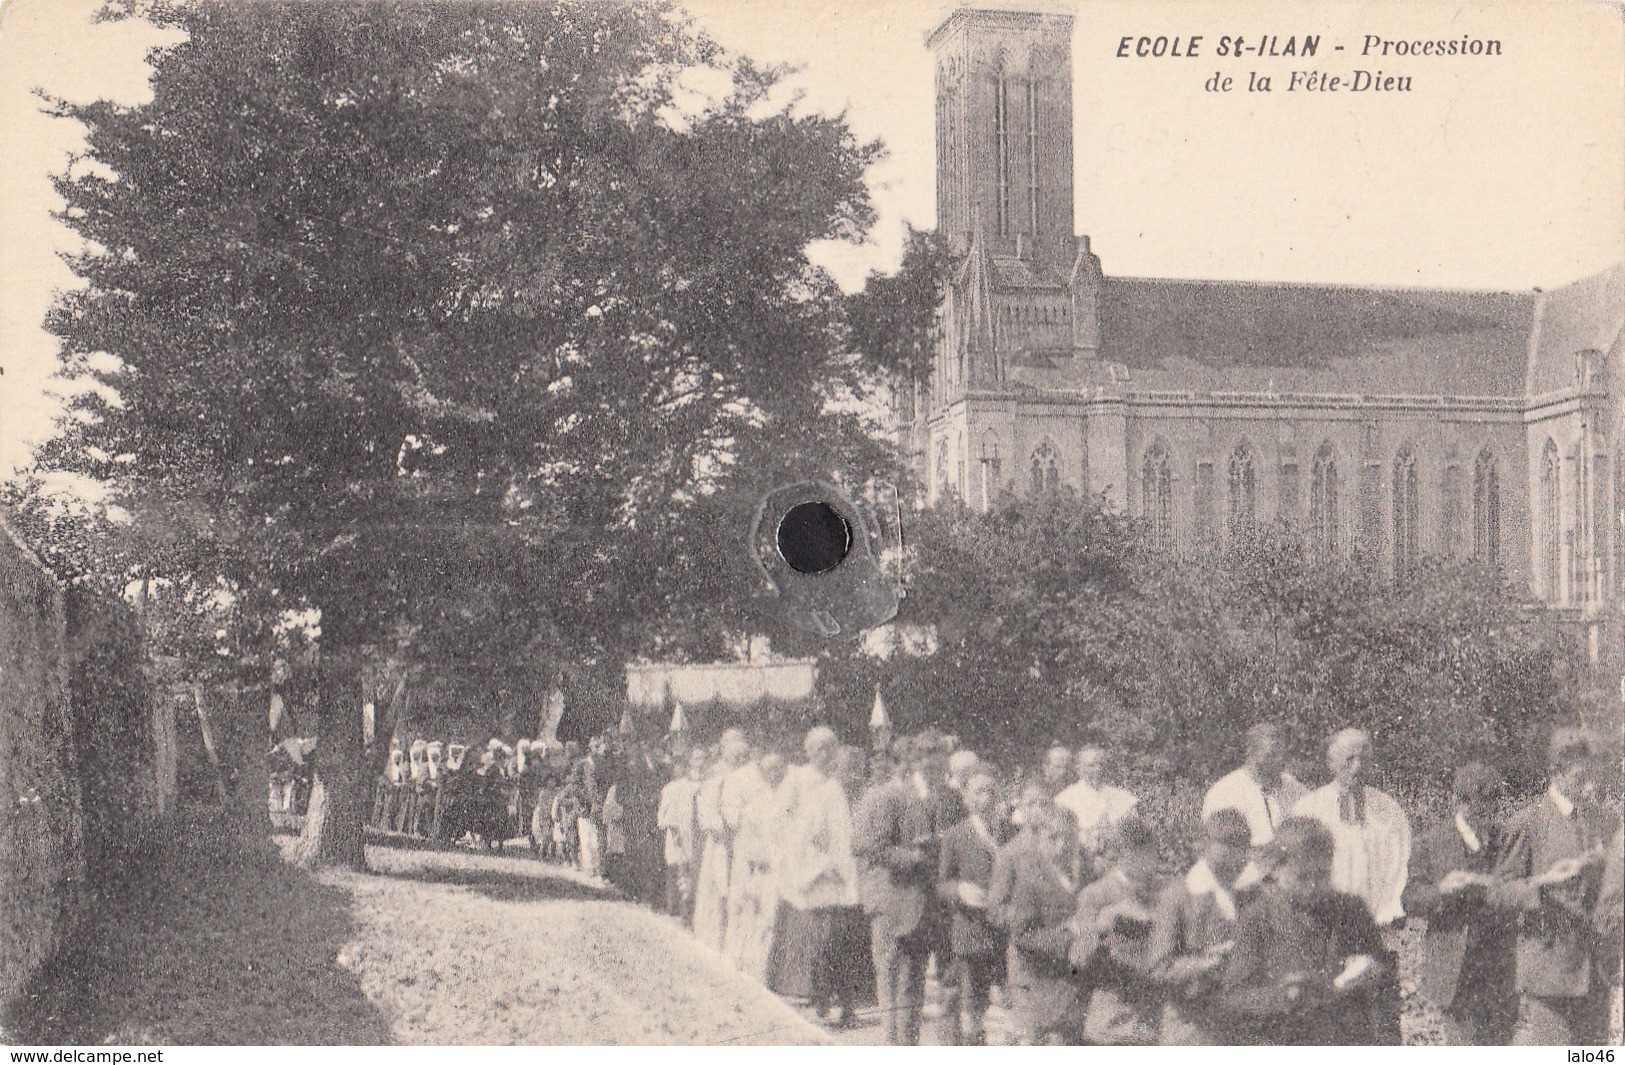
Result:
1393,423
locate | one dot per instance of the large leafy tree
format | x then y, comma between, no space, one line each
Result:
893,318
448,318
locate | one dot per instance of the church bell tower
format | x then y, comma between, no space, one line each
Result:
1004,132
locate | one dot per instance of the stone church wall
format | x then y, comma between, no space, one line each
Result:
1365,445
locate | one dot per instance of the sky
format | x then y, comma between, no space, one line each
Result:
1505,172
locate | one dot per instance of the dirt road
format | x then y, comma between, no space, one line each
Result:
208,945
458,947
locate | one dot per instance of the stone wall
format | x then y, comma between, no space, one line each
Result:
110,693
42,857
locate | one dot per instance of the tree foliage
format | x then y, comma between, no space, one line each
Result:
894,316
382,276
461,323
1051,619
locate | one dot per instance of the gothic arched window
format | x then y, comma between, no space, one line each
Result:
1406,515
1243,488
1551,522
942,469
1001,144
1046,469
1323,502
1486,510
1157,495
990,459
1032,157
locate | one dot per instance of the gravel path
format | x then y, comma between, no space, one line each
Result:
205,945
459,947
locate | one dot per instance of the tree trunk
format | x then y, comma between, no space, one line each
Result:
392,717
341,793
206,730
233,721
245,727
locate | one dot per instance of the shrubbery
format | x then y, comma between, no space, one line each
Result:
1055,621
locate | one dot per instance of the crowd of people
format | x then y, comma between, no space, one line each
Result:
842,877
834,882
585,807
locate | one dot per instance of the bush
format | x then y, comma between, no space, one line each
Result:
1056,621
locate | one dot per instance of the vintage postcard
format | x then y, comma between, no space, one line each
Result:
717,522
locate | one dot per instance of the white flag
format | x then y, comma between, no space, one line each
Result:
679,723
878,718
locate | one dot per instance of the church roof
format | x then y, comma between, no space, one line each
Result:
1442,366
1244,336
1585,316
1240,336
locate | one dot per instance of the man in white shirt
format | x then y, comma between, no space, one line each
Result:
1097,805
1371,833
677,817
1262,791
716,855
